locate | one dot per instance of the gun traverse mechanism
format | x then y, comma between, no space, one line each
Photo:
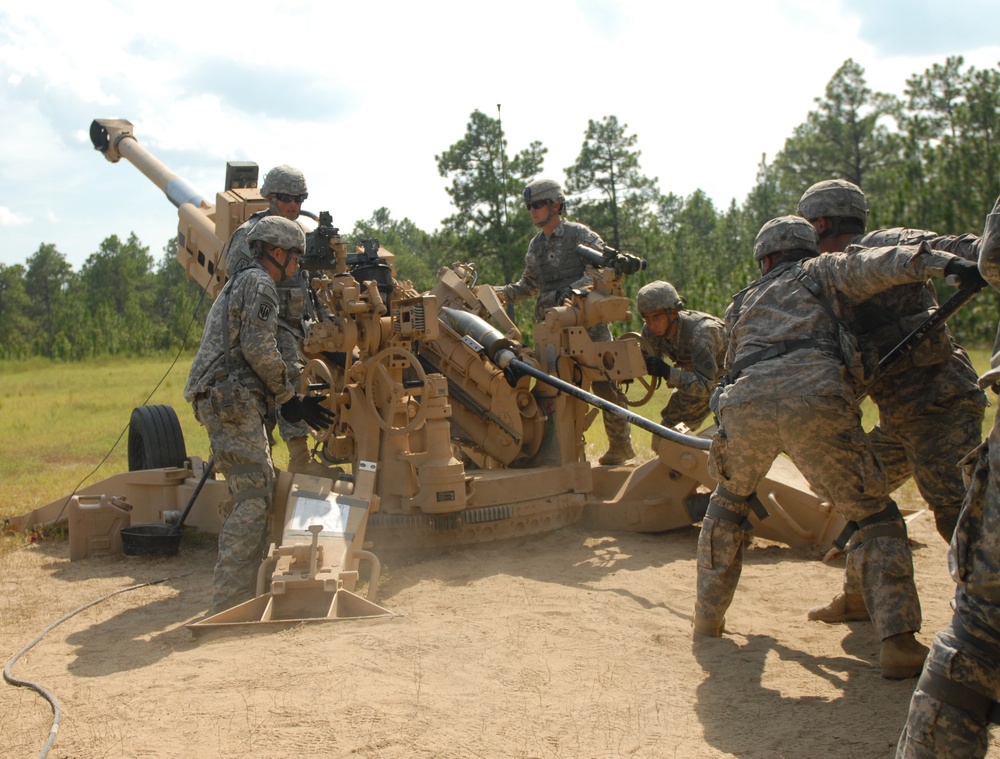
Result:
447,429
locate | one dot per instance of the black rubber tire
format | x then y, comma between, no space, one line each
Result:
155,439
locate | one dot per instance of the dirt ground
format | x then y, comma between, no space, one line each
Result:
565,645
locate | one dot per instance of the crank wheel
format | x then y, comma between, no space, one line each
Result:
386,396
649,384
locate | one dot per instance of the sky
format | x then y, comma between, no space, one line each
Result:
361,96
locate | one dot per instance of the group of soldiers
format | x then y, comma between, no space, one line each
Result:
797,351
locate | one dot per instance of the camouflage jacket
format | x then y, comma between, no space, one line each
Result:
551,264
778,313
249,301
294,302
697,350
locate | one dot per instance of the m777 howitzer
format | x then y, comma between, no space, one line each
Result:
448,430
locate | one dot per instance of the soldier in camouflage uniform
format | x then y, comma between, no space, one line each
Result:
694,341
787,372
552,269
930,405
285,189
958,694
235,375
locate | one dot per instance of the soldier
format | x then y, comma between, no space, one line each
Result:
694,341
930,405
552,269
285,190
236,373
958,693
787,372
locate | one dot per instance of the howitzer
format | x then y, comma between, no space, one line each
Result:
448,431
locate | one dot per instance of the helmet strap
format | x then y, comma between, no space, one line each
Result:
279,267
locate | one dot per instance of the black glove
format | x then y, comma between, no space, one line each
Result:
564,295
307,409
967,274
657,367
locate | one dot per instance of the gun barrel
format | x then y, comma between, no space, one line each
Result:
114,138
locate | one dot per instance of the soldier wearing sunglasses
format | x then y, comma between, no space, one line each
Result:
551,270
285,189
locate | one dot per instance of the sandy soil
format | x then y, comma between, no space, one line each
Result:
566,645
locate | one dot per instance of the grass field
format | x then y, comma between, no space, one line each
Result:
65,424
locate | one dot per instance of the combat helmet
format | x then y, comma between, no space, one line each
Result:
785,233
286,179
279,231
656,296
834,198
544,189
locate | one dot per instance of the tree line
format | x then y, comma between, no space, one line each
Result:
927,160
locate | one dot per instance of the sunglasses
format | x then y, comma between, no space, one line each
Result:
284,197
534,206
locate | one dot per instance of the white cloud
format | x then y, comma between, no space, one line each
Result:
362,96
10,219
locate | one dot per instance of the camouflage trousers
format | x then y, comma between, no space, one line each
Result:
618,429
243,457
939,730
928,447
824,439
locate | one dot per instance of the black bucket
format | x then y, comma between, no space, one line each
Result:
146,539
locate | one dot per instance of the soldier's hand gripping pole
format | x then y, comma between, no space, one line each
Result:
943,313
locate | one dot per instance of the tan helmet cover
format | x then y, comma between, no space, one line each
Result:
785,233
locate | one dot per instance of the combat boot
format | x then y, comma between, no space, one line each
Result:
843,608
617,454
707,628
300,460
902,656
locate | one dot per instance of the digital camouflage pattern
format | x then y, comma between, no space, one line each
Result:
785,233
839,465
930,405
286,179
657,296
834,198
293,310
552,267
697,349
254,362
232,403
767,404
971,659
544,189
243,456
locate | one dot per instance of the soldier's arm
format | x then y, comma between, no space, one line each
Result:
527,286
865,272
701,381
966,246
257,337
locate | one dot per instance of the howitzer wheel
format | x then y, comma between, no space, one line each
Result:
317,372
385,394
155,439
649,384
